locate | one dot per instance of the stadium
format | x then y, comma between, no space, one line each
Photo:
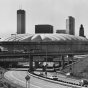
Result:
50,42
45,46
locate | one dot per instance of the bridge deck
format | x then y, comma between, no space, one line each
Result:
8,57
41,54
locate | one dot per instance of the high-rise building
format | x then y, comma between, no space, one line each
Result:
20,21
81,31
43,29
70,25
61,31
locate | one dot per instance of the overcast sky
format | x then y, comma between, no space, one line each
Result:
54,12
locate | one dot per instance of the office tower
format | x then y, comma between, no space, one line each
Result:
20,21
70,25
61,31
81,31
43,29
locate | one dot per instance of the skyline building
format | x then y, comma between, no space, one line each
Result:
43,28
61,31
70,25
20,21
81,31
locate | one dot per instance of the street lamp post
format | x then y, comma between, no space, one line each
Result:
46,63
27,81
1,74
14,41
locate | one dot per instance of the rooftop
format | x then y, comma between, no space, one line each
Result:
44,38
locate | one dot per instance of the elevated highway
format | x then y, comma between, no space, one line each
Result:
42,53
28,57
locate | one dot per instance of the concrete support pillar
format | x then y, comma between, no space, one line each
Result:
59,63
30,63
68,60
36,64
72,64
62,63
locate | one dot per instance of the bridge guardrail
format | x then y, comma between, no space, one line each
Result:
65,83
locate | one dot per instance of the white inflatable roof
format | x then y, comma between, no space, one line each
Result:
45,38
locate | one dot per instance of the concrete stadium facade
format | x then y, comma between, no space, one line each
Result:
45,42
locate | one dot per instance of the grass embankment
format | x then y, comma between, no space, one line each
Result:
79,69
4,83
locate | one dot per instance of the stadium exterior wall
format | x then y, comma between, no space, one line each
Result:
44,46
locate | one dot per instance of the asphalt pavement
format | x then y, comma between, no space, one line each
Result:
19,78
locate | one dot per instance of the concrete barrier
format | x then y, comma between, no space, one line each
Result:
61,82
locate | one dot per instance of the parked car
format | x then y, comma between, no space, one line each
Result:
54,77
69,74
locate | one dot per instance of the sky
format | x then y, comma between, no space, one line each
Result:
53,12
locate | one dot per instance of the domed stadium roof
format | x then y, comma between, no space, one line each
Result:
44,38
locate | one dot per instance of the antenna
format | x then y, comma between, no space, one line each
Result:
21,6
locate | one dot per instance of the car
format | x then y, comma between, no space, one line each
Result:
54,77
69,74
41,73
83,82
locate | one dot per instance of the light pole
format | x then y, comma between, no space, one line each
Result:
1,74
14,41
46,63
72,64
27,81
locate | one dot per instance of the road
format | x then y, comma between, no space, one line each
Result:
19,78
61,77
